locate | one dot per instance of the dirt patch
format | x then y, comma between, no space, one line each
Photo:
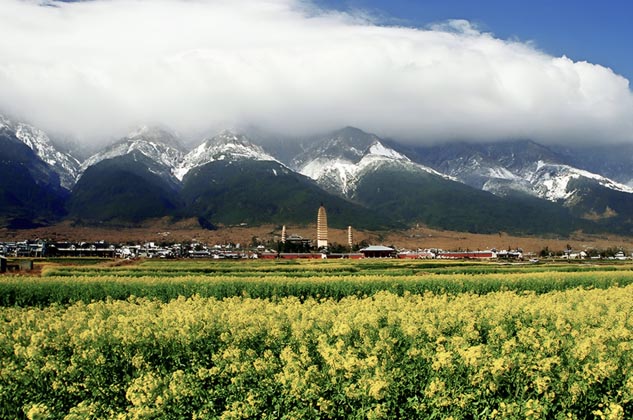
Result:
122,262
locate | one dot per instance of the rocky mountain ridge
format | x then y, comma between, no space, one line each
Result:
65,165
340,160
411,184
226,146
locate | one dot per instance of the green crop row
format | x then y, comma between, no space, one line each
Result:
282,269
44,291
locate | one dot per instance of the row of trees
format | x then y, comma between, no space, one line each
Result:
592,252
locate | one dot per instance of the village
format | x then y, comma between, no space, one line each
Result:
295,247
284,247
291,247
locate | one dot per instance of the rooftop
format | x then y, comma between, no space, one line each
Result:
377,248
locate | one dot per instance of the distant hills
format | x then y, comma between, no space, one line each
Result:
363,180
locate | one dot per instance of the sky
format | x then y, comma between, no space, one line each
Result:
417,71
590,30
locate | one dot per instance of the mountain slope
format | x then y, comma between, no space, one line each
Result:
364,168
66,166
519,187
227,179
446,204
30,192
608,209
124,189
614,161
157,144
230,180
340,160
477,164
508,168
254,191
225,146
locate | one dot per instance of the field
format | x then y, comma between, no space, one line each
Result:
317,339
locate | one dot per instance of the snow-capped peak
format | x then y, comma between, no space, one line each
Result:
224,146
66,166
342,159
156,143
157,135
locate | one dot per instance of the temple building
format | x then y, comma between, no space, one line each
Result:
321,228
378,251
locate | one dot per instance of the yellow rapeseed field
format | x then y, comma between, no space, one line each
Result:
506,354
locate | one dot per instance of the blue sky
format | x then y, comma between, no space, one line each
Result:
600,32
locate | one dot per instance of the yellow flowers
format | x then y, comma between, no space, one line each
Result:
563,354
38,412
443,359
612,411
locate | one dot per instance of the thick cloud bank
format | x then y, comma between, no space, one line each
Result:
98,68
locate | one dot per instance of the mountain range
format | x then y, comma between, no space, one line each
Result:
362,179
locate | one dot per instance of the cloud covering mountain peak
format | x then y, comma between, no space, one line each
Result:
95,69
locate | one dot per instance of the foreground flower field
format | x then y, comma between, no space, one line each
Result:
504,354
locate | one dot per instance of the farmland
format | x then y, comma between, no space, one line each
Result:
317,339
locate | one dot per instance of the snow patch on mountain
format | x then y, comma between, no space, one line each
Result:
338,174
224,146
551,181
158,152
378,149
66,166
522,166
342,174
500,172
158,144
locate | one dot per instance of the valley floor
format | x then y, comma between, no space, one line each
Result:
419,237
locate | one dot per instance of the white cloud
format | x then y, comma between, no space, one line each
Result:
98,68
